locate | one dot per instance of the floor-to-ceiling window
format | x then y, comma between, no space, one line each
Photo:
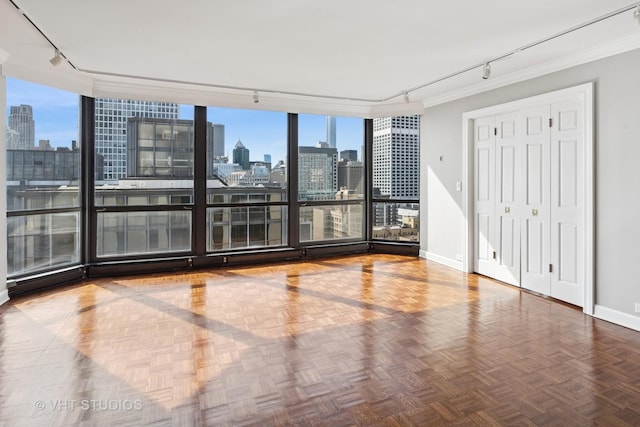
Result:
43,179
162,181
246,179
143,178
396,179
331,192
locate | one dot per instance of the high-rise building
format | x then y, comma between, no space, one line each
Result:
218,140
111,129
351,176
241,155
396,156
349,155
317,173
21,121
331,131
164,148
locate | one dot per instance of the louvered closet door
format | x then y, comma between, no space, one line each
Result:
567,202
507,220
484,195
536,190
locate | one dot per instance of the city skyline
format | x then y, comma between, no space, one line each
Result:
55,113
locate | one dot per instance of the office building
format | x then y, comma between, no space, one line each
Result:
317,173
241,155
111,117
396,156
351,176
331,132
349,155
218,138
21,121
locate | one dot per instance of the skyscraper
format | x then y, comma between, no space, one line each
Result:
111,129
331,131
396,156
317,173
349,155
218,138
241,155
351,176
21,121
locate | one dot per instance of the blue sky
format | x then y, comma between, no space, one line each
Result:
262,132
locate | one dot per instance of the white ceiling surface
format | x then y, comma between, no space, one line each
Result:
300,55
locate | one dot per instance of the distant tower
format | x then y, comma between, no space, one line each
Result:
331,131
218,140
21,121
241,155
349,155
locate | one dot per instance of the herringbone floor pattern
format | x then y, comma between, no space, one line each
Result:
371,340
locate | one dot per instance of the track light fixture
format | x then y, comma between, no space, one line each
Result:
57,59
636,14
256,97
486,71
406,97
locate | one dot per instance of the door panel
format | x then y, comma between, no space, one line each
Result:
567,190
484,195
507,199
535,213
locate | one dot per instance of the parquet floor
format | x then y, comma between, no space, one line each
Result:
371,340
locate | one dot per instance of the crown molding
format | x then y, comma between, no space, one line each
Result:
198,95
595,53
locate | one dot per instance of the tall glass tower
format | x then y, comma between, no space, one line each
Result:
331,131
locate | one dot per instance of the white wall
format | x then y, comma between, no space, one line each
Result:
617,158
3,193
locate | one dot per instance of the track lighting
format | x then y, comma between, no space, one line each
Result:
256,97
406,97
486,71
57,59
636,14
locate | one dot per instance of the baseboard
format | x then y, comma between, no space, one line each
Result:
4,296
442,260
619,318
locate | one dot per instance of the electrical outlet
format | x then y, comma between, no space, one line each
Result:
638,307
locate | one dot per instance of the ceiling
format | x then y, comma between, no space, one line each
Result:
356,57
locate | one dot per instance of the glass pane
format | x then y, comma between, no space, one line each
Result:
257,156
396,157
246,226
36,242
396,222
144,153
128,233
329,165
43,155
331,222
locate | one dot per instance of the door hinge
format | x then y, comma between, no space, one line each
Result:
495,131
495,255
550,268
550,122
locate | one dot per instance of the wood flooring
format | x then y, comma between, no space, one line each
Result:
367,340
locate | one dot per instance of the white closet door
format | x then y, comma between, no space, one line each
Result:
484,195
567,190
507,220
536,187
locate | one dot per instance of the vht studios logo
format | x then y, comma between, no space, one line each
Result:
89,405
